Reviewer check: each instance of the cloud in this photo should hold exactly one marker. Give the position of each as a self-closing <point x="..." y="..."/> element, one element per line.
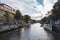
<point x="48" y="4"/>
<point x="31" y="7"/>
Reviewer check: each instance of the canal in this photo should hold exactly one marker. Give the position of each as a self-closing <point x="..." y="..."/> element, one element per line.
<point x="35" y="32"/>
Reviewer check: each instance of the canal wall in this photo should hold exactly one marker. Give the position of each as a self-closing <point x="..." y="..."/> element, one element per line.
<point x="7" y="27"/>
<point x="14" y="26"/>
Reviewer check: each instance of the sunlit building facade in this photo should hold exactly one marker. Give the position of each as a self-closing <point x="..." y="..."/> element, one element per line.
<point x="6" y="9"/>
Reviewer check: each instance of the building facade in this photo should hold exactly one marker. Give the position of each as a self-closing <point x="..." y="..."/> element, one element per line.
<point x="6" y="9"/>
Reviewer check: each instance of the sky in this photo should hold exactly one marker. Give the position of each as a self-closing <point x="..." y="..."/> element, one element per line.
<point x="34" y="8"/>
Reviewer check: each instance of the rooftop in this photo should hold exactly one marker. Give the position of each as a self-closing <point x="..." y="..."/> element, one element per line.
<point x="6" y="7"/>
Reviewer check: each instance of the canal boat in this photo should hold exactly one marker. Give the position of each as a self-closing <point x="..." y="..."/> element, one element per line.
<point x="27" y="24"/>
<point x="48" y="26"/>
<point x="56" y="26"/>
<point x="41" y="25"/>
<point x="21" y="25"/>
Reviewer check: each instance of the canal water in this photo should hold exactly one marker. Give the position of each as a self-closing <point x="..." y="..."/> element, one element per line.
<point x="35" y="32"/>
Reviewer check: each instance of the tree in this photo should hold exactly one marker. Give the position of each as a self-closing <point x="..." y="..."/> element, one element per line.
<point x="22" y="18"/>
<point x="44" y="19"/>
<point x="27" y="18"/>
<point x="17" y="15"/>
<point x="56" y="11"/>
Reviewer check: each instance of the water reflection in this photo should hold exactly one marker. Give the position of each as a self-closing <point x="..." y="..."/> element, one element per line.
<point x="35" y="32"/>
<point x="21" y="30"/>
<point x="12" y="35"/>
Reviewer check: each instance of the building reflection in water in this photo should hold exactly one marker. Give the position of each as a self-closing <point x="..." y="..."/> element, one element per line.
<point x="21" y="30"/>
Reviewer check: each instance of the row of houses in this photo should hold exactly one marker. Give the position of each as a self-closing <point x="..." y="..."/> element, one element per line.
<point x="4" y="8"/>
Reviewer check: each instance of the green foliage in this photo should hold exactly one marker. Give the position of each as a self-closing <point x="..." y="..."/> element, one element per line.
<point x="17" y="15"/>
<point x="27" y="18"/>
<point x="22" y="18"/>
<point x="56" y="11"/>
<point x="44" y="19"/>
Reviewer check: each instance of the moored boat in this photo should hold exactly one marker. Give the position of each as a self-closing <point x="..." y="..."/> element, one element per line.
<point x="48" y="26"/>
